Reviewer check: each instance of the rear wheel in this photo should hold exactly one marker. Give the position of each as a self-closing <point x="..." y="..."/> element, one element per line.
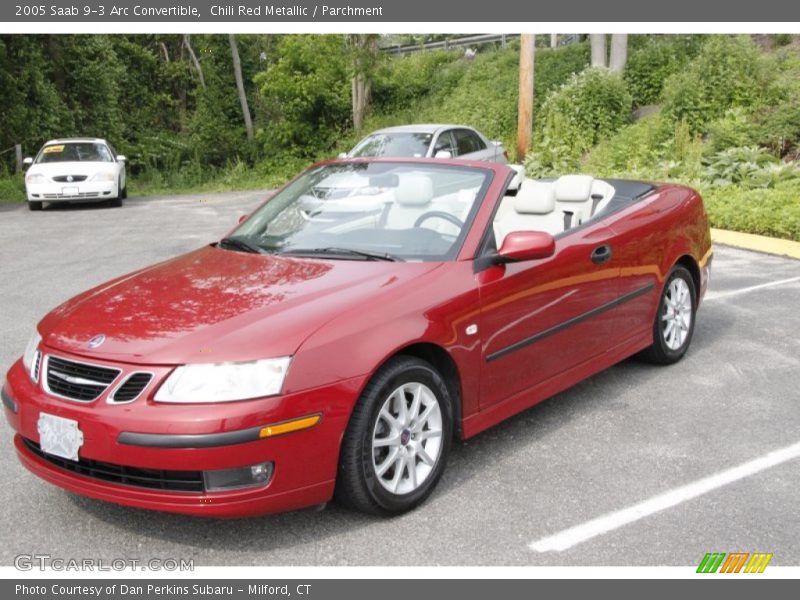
<point x="396" y="444"/>
<point x="674" y="322"/>
<point x="34" y="205"/>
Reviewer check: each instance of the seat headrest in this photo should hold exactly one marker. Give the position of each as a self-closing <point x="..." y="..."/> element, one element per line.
<point x="574" y="188"/>
<point x="535" y="198"/>
<point x="414" y="190"/>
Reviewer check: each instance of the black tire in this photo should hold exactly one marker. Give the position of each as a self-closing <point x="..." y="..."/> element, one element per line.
<point x="34" y="205"/>
<point x="357" y="484"/>
<point x="124" y="193"/>
<point x="660" y="352"/>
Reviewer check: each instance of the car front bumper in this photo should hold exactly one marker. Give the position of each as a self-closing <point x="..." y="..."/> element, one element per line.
<point x="172" y="438"/>
<point x="84" y="191"/>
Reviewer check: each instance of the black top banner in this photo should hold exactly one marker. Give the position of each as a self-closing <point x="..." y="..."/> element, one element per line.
<point x="388" y="11"/>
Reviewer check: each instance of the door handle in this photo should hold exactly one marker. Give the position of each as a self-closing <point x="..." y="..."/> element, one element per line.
<point x="601" y="254"/>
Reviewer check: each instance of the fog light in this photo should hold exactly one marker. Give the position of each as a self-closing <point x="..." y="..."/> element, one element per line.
<point x="242" y="477"/>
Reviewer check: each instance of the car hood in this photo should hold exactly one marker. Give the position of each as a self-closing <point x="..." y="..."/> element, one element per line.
<point x="215" y="305"/>
<point x="71" y="168"/>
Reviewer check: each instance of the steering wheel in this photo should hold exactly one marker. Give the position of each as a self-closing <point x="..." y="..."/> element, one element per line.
<point x="438" y="214"/>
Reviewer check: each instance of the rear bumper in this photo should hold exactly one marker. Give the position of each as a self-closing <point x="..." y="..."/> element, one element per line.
<point x="192" y="438"/>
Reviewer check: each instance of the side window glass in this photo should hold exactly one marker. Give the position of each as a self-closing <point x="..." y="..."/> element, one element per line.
<point x="444" y="142"/>
<point x="465" y="140"/>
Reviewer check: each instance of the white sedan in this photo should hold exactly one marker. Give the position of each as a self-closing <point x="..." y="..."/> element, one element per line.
<point x="75" y="170"/>
<point x="430" y="141"/>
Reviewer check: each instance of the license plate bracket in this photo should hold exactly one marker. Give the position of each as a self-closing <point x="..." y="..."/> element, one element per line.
<point x="59" y="436"/>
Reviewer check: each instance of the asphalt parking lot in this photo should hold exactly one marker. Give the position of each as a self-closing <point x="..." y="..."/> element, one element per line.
<point x="632" y="434"/>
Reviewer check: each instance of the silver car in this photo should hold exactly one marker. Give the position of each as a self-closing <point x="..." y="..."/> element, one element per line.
<point x="430" y="141"/>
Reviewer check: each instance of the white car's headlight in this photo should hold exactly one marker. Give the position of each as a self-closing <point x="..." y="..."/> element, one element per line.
<point x="35" y="178"/>
<point x="103" y="176"/>
<point x="29" y="358"/>
<point x="225" y="382"/>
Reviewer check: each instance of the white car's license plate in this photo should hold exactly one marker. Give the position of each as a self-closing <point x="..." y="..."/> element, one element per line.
<point x="69" y="191"/>
<point x="59" y="436"/>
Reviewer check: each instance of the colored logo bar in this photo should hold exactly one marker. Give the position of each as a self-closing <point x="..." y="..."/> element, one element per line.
<point x="734" y="562"/>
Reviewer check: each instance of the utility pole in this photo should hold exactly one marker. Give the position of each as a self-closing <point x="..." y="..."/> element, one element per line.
<point x="525" y="108"/>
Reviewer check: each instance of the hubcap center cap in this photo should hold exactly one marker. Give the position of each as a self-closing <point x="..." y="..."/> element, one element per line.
<point x="405" y="436"/>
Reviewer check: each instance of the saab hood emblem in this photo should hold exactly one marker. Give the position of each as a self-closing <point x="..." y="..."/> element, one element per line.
<point x="96" y="341"/>
<point x="69" y="178"/>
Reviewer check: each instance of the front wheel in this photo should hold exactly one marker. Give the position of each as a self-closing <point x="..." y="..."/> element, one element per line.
<point x="674" y="322"/>
<point x="34" y="205"/>
<point x="396" y="444"/>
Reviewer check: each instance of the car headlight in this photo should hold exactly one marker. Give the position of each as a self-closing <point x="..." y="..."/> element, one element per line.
<point x="225" y="382"/>
<point x="35" y="178"/>
<point x="103" y="176"/>
<point x="29" y="358"/>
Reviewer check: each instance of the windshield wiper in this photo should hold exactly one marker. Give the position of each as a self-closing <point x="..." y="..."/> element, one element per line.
<point x="242" y="245"/>
<point x="343" y="252"/>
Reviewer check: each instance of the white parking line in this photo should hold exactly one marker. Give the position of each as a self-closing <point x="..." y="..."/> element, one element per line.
<point x="752" y="288"/>
<point x="573" y="536"/>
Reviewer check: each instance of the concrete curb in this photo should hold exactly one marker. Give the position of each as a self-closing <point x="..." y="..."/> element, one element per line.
<point x="757" y="243"/>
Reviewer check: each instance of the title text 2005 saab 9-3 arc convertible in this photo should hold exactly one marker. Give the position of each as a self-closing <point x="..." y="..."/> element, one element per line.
<point x="340" y="337"/>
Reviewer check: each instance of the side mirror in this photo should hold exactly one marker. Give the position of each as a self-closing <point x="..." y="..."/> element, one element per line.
<point x="443" y="154"/>
<point x="121" y="158"/>
<point x="341" y="155"/>
<point x="243" y="218"/>
<point x="526" y="245"/>
<point x="27" y="161"/>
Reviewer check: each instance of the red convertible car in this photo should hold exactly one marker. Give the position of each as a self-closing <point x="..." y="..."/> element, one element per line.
<point x="338" y="339"/>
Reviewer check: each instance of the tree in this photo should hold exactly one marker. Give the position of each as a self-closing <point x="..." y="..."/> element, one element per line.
<point x="619" y="52"/>
<point x="197" y="67"/>
<point x="599" y="53"/>
<point x="237" y="73"/>
<point x="525" y="108"/>
<point x="364" y="49"/>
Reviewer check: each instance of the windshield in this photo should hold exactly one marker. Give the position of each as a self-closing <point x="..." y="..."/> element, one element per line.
<point x="363" y="211"/>
<point x="394" y="145"/>
<point x="75" y="152"/>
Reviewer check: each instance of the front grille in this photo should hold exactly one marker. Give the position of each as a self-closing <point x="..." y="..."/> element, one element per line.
<point x="77" y="381"/>
<point x="155" y="479"/>
<point x="75" y="178"/>
<point x="80" y="195"/>
<point x="133" y="386"/>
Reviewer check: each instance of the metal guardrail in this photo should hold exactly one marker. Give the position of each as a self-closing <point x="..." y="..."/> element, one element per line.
<point x="451" y="43"/>
<point x="471" y="40"/>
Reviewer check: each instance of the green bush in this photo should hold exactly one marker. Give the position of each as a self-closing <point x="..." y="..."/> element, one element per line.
<point x="554" y="66"/>
<point x="12" y="188"/>
<point x="591" y="106"/>
<point x="773" y="212"/>
<point x="749" y="167"/>
<point x="652" y="59"/>
<point x="407" y="79"/>
<point x="305" y="95"/>
<point x="781" y="39"/>
<point x="653" y="149"/>
<point x="729" y="72"/>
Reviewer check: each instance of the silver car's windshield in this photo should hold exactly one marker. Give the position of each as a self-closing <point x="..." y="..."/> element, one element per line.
<point x="392" y="145"/>
<point x="75" y="152"/>
<point x="368" y="211"/>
